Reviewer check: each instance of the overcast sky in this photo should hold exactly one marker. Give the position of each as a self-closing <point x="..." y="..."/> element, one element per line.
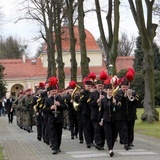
<point x="27" y="31"/>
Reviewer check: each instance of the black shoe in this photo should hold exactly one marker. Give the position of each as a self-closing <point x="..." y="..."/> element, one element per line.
<point x="100" y="148"/>
<point x="72" y="137"/>
<point x="92" y="145"/>
<point x="121" y="142"/>
<point x="126" y="147"/>
<point x="39" y="138"/>
<point x="55" y="152"/>
<point x="131" y="145"/>
<point x="81" y="141"/>
<point x="88" y="146"/>
<point x="111" y="153"/>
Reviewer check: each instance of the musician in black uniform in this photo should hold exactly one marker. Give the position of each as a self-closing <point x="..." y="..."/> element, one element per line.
<point x="54" y="106"/>
<point x="86" y="113"/>
<point x="38" y="111"/>
<point x="95" y="99"/>
<point x="108" y="117"/>
<point x="72" y="114"/>
<point x="127" y="113"/>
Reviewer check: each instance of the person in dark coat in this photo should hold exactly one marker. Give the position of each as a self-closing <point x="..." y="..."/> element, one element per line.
<point x="54" y="106"/>
<point x="9" y="103"/>
<point x="95" y="99"/>
<point x="127" y="113"/>
<point x="86" y="113"/>
<point x="72" y="114"/>
<point x="108" y="117"/>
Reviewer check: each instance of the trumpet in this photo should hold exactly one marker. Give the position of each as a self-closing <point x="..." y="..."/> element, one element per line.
<point x="130" y="94"/>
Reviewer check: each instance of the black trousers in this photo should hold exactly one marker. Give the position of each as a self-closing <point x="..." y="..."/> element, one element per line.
<point x="73" y="125"/>
<point x="40" y="126"/>
<point x="10" y="116"/>
<point x="88" y="129"/>
<point x="110" y="133"/>
<point x="127" y="131"/>
<point x="46" y="134"/>
<point x="55" y="135"/>
<point x="99" y="137"/>
<point x="80" y="126"/>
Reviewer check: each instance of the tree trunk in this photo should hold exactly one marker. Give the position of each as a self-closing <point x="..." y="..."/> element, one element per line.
<point x="58" y="40"/>
<point x="82" y="36"/>
<point x="150" y="113"/>
<point x="70" y="9"/>
<point x="147" y="33"/>
<point x="114" y="46"/>
<point x="101" y="29"/>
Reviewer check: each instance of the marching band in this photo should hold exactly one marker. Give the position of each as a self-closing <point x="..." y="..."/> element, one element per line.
<point x="98" y="111"/>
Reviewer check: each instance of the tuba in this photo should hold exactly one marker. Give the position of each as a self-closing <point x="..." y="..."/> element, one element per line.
<point x="75" y="104"/>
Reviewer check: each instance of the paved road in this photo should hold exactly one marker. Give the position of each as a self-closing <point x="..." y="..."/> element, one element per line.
<point x="19" y="145"/>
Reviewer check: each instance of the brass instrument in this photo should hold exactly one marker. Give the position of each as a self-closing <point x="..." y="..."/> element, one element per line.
<point x="130" y="95"/>
<point x="75" y="104"/>
<point x="115" y="91"/>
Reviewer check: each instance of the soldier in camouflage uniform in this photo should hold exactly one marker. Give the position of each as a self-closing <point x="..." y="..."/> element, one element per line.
<point x="28" y="111"/>
<point x="17" y="104"/>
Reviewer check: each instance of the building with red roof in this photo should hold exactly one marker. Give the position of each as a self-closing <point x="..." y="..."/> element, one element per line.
<point x="27" y="73"/>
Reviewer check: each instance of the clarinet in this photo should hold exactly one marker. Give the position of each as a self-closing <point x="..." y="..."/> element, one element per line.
<point x="55" y="110"/>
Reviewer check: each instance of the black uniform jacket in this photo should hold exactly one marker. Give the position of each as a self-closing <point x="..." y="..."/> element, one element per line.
<point x="84" y="103"/>
<point x="94" y="96"/>
<point x="108" y="111"/>
<point x="70" y="108"/>
<point x="51" y="113"/>
<point x="127" y="108"/>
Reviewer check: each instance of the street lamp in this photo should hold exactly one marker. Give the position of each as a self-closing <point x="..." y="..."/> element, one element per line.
<point x="110" y="69"/>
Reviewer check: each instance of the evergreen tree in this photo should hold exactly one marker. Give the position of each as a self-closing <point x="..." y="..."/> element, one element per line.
<point x="3" y="89"/>
<point x="139" y="55"/>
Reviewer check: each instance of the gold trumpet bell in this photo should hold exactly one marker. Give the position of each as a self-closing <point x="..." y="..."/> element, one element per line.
<point x="75" y="105"/>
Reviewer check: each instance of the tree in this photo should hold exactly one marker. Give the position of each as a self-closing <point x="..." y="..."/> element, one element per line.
<point x="139" y="55"/>
<point x="57" y="5"/>
<point x="82" y="36"/>
<point x="147" y="32"/>
<point x="39" y="50"/>
<point x="3" y="89"/>
<point x="68" y="14"/>
<point x="111" y="46"/>
<point x="11" y="48"/>
<point x="42" y="12"/>
<point x="125" y="46"/>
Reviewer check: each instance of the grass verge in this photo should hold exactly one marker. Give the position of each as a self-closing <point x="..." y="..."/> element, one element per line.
<point x="1" y="153"/>
<point x="146" y="128"/>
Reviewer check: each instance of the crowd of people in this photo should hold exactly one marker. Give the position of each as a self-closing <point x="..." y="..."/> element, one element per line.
<point x="98" y="112"/>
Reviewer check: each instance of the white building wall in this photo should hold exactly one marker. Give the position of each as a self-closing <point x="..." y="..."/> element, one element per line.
<point x="95" y="59"/>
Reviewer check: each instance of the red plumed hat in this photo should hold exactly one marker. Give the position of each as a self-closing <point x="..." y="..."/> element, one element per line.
<point x="107" y="81"/>
<point x="87" y="81"/>
<point x="41" y="85"/>
<point x="130" y="74"/>
<point x="103" y="75"/>
<point x="92" y="76"/>
<point x="53" y="83"/>
<point x="72" y="84"/>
